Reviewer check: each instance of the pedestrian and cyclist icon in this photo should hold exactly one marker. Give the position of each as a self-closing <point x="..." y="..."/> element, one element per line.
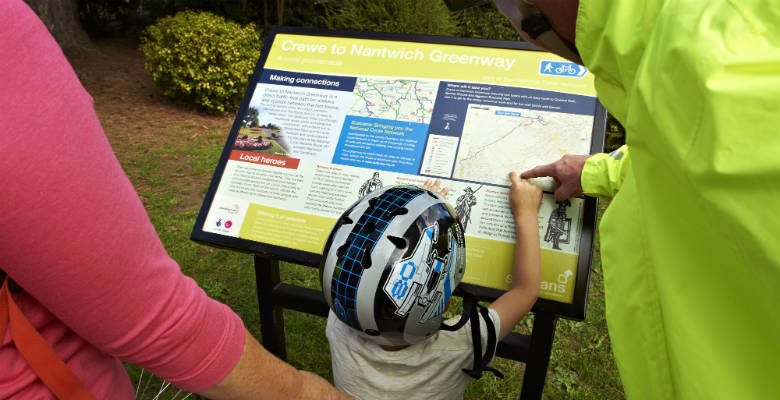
<point x="562" y="68"/>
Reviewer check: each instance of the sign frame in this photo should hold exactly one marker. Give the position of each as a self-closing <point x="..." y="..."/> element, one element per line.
<point x="575" y="310"/>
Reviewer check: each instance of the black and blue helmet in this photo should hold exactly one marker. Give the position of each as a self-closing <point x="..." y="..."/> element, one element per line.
<point x="391" y="263"/>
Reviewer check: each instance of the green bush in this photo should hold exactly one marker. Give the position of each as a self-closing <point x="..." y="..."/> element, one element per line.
<point x="615" y="135"/>
<point x="399" y="16"/>
<point x="201" y="57"/>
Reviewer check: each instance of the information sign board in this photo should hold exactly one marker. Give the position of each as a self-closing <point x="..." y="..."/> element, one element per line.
<point x="330" y="116"/>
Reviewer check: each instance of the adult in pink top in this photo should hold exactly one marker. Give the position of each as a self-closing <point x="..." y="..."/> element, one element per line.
<point x="98" y="284"/>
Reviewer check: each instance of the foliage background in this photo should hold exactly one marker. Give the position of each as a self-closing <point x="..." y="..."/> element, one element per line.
<point x="401" y="16"/>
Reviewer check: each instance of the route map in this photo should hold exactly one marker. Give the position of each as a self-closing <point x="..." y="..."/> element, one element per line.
<point x="394" y="99"/>
<point x="496" y="140"/>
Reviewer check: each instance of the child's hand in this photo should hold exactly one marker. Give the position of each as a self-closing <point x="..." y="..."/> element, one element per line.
<point x="433" y="186"/>
<point x="524" y="197"/>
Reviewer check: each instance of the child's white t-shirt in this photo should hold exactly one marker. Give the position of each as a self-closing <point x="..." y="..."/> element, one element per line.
<point x="431" y="369"/>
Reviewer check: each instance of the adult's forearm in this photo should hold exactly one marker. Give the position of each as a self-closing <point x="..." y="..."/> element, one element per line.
<point x="261" y="375"/>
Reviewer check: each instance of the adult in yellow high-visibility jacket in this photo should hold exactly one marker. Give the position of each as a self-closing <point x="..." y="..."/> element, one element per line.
<point x="691" y="241"/>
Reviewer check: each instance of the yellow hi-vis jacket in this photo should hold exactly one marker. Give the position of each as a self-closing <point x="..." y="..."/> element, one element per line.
<point x="691" y="240"/>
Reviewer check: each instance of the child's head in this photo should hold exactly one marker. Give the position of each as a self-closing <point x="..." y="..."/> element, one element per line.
<point x="391" y="263"/>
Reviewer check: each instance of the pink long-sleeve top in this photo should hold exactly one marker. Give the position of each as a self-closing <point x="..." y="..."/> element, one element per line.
<point x="98" y="284"/>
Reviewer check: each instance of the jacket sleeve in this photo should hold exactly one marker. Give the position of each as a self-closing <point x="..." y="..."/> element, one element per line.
<point x="603" y="174"/>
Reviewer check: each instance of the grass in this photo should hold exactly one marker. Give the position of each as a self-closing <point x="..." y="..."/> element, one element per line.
<point x="171" y="177"/>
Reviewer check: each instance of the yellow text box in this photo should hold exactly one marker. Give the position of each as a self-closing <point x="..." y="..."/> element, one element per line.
<point x="286" y="228"/>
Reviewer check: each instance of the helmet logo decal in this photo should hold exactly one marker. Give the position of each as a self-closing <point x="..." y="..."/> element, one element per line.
<point x="422" y="279"/>
<point x="401" y="286"/>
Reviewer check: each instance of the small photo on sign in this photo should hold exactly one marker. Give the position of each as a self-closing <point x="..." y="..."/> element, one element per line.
<point x="260" y="133"/>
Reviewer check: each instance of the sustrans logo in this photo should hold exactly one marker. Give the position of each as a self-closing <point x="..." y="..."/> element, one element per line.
<point x="560" y="286"/>
<point x="562" y="68"/>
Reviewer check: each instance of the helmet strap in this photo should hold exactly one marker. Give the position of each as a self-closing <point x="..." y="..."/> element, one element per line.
<point x="470" y="311"/>
<point x="480" y="362"/>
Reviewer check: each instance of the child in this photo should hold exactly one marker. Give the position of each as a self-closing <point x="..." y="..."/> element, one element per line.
<point x="388" y="270"/>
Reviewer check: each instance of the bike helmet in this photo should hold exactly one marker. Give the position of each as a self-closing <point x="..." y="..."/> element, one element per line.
<point x="391" y="263"/>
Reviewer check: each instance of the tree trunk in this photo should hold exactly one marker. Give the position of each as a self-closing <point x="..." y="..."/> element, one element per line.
<point x="61" y="17"/>
<point x="279" y="12"/>
<point x="266" y="23"/>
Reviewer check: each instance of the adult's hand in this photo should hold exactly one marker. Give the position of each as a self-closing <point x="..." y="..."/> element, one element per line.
<point x="566" y="172"/>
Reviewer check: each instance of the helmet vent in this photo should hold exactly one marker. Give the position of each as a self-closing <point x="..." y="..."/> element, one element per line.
<point x="372" y="201"/>
<point x="342" y="250"/>
<point x="399" y="242"/>
<point x="345" y="220"/>
<point x="365" y="262"/>
<point x="372" y="332"/>
<point x="398" y="211"/>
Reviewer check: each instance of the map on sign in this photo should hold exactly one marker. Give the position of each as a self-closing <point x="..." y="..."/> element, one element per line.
<point x="500" y="139"/>
<point x="394" y="99"/>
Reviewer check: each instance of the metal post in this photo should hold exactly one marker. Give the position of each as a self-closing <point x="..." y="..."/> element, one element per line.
<point x="271" y="318"/>
<point x="539" y="355"/>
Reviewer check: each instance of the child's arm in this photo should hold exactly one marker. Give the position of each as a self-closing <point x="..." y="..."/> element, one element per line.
<point x="524" y="199"/>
